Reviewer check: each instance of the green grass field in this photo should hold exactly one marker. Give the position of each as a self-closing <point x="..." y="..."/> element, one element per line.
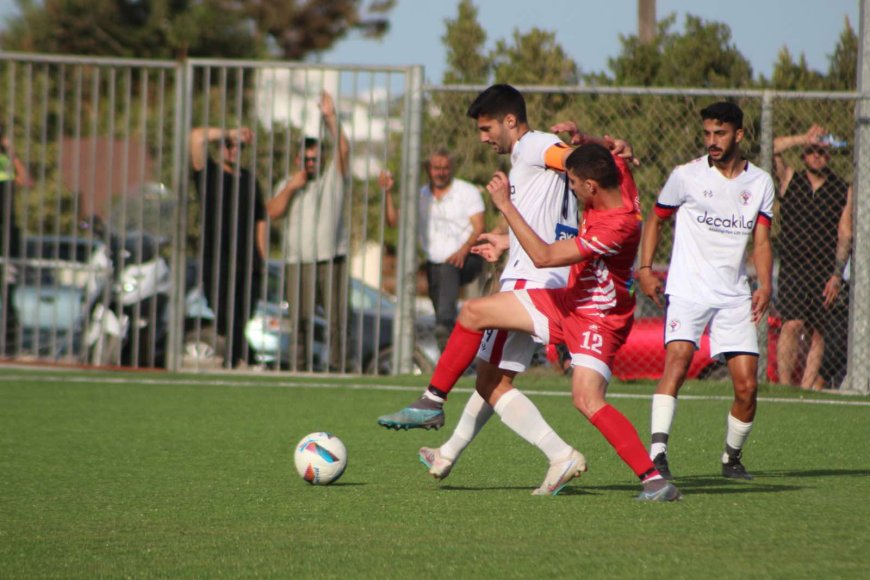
<point x="192" y="476"/>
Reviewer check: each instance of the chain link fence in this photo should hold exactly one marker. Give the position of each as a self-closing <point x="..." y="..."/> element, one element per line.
<point x="118" y="250"/>
<point x="804" y="340"/>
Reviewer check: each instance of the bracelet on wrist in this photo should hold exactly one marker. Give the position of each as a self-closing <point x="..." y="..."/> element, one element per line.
<point x="642" y="267"/>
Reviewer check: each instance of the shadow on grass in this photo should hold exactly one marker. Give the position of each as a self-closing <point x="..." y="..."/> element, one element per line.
<point x="568" y="490"/>
<point x="814" y="473"/>
<point x="691" y="484"/>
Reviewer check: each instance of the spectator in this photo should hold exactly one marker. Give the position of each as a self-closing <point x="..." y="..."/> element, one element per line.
<point x="316" y="238"/>
<point x="451" y="220"/>
<point x="234" y="232"/>
<point x="12" y="173"/>
<point x="815" y="204"/>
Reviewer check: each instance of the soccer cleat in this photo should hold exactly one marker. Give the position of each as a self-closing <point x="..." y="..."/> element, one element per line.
<point x="412" y="418"/>
<point x="734" y="469"/>
<point x="659" y="490"/>
<point x="561" y="472"/>
<point x="439" y="468"/>
<point x="660" y="462"/>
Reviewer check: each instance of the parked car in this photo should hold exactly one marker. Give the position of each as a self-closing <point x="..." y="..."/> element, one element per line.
<point x="270" y="334"/>
<point x="372" y="312"/>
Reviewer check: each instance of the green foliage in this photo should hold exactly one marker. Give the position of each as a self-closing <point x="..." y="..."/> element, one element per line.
<point x="464" y="40"/>
<point x="701" y="56"/>
<point x="843" y="69"/>
<point x="183" y="28"/>
<point x="791" y="76"/>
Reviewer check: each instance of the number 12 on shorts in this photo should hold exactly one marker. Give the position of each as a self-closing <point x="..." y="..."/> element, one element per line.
<point x="592" y="341"/>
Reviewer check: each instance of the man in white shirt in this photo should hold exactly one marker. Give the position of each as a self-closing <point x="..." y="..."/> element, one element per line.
<point x="722" y="201"/>
<point x="450" y="221"/>
<point x="316" y="238"/>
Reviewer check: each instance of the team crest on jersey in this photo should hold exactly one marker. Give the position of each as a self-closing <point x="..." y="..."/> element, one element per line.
<point x="673" y="325"/>
<point x="708" y="193"/>
<point x="745" y="196"/>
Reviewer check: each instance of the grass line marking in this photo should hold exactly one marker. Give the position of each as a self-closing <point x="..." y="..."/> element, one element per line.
<point x="378" y="387"/>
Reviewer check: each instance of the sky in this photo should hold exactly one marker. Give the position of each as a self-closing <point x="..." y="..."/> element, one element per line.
<point x="759" y="28"/>
<point x="589" y="30"/>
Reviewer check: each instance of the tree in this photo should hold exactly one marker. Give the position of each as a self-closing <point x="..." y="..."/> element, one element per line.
<point x="180" y="28"/>
<point x="702" y="56"/>
<point x="303" y="26"/>
<point x="843" y="69"/>
<point x="792" y="76"/>
<point x="465" y="39"/>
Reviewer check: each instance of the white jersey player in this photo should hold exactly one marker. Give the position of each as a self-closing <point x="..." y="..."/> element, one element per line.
<point x="721" y="202"/>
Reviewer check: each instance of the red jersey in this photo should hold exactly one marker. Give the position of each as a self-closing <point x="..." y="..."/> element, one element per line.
<point x="601" y="284"/>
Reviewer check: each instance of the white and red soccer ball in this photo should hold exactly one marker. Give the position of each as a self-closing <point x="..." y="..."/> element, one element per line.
<point x="320" y="458"/>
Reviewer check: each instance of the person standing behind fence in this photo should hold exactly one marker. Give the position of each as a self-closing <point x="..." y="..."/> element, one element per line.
<point x="234" y="231"/>
<point x="12" y="173"/>
<point x="816" y="214"/>
<point x="721" y="202"/>
<point x="451" y="220"/>
<point x="316" y="237"/>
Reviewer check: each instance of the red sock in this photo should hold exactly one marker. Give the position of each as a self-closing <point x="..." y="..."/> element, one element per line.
<point x="460" y="351"/>
<point x="622" y="435"/>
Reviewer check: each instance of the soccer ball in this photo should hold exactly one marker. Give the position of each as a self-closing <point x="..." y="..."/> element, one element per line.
<point x="320" y="458"/>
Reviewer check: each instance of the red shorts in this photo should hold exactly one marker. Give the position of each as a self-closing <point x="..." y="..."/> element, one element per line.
<point x="591" y="343"/>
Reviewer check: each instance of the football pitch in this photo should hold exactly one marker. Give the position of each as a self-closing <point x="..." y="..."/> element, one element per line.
<point x="144" y="475"/>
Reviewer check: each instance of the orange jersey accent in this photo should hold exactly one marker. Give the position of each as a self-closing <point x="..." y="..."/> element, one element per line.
<point x="555" y="155"/>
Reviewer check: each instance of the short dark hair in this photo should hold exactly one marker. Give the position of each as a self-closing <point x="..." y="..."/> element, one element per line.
<point x="498" y="101"/>
<point x="594" y="161"/>
<point x="310" y="142"/>
<point x="724" y="112"/>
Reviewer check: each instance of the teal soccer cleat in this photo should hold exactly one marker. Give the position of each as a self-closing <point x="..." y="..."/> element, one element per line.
<point x="659" y="490"/>
<point x="412" y="418"/>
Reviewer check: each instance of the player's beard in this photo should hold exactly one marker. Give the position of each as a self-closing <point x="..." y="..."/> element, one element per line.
<point x="726" y="154"/>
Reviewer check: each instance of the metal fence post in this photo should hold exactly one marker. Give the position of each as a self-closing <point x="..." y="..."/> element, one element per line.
<point x="766" y="161"/>
<point x="178" y="266"/>
<point x="406" y="279"/>
<point x="859" y="288"/>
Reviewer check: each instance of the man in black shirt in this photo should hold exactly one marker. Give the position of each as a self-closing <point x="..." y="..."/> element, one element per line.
<point x="816" y="217"/>
<point x="234" y="232"/>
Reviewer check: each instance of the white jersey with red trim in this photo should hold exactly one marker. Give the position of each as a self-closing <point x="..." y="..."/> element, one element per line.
<point x="715" y="219"/>
<point x="544" y="200"/>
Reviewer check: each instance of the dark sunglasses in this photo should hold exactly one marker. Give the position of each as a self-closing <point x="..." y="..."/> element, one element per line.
<point x="230" y="144"/>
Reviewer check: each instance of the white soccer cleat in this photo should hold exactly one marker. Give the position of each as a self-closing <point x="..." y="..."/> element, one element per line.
<point x="561" y="472"/>
<point x="439" y="467"/>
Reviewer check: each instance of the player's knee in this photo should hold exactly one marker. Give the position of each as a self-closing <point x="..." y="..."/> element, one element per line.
<point x="588" y="403"/>
<point x="470" y="315"/>
<point x="745" y="389"/>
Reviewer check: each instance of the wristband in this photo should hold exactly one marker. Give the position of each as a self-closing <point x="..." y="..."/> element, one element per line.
<point x="642" y="267"/>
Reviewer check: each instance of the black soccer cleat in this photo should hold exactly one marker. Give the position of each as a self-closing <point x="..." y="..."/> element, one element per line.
<point x="734" y="469"/>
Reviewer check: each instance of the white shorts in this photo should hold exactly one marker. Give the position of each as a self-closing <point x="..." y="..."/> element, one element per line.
<point x="509" y="350"/>
<point x="731" y="329"/>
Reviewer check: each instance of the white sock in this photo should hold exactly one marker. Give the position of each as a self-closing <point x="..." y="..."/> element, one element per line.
<point x="664" y="407"/>
<point x="736" y="436"/>
<point x="524" y="419"/>
<point x="474" y="416"/>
